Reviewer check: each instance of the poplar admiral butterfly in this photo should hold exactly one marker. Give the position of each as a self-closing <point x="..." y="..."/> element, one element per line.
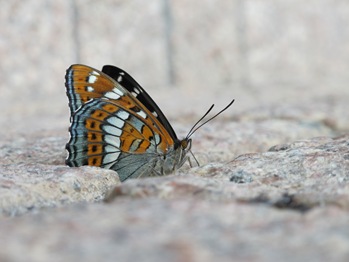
<point x="115" y="124"/>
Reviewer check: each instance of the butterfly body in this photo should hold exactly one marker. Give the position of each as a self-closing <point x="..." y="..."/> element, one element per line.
<point x="115" y="124"/>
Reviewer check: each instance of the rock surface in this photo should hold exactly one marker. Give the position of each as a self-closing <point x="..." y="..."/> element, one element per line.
<point x="263" y="192"/>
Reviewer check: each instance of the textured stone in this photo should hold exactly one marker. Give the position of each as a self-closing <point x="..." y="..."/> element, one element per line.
<point x="33" y="176"/>
<point x="27" y="187"/>
<point x="299" y="175"/>
<point x="38" y="177"/>
<point x="235" y="205"/>
<point x="185" y="229"/>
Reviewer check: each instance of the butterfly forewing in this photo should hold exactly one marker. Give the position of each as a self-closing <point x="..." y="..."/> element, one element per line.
<point x="84" y="83"/>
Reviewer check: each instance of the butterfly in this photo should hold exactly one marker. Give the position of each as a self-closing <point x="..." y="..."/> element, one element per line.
<point x="115" y="124"/>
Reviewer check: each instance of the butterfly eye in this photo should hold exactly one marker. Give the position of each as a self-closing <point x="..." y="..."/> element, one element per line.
<point x="186" y="143"/>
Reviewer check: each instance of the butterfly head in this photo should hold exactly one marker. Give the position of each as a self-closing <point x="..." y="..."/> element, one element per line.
<point x="185" y="144"/>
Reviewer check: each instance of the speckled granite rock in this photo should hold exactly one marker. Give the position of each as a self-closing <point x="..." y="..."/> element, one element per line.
<point x="267" y="197"/>
<point x="298" y="175"/>
<point x="32" y="178"/>
<point x="182" y="229"/>
<point x="33" y="175"/>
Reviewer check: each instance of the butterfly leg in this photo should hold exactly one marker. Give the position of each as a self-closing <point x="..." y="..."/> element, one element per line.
<point x="190" y="164"/>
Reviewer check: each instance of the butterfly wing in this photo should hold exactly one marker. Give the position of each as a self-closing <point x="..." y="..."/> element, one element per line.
<point x="110" y="127"/>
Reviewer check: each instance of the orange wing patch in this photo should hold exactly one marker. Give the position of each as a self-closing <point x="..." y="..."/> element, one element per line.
<point x="94" y="149"/>
<point x="92" y="125"/>
<point x="95" y="137"/>
<point x="131" y="137"/>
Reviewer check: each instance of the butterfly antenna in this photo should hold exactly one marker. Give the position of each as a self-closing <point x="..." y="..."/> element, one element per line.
<point x="208" y="111"/>
<point x="195" y="127"/>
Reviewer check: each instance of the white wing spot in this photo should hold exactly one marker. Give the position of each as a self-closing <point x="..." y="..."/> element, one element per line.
<point x="142" y="114"/>
<point x="90" y="89"/>
<point x="111" y="156"/>
<point x="117" y="91"/>
<point x="116" y="121"/>
<point x="95" y="73"/>
<point x="157" y="139"/>
<point x="112" y="130"/>
<point x="119" y="78"/>
<point x="123" y="115"/>
<point x="112" y="95"/>
<point x="136" y="91"/>
<point x="92" y="79"/>
<point x="113" y="141"/>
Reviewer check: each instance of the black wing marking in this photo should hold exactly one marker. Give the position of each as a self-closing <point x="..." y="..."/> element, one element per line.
<point x="135" y="89"/>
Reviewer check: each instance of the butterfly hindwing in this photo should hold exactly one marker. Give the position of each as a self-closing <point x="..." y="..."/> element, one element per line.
<point x="105" y="135"/>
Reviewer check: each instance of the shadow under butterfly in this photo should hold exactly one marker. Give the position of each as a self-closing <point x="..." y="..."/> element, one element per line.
<point x="115" y="124"/>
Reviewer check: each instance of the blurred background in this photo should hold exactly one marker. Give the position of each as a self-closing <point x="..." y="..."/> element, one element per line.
<point x="186" y="54"/>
